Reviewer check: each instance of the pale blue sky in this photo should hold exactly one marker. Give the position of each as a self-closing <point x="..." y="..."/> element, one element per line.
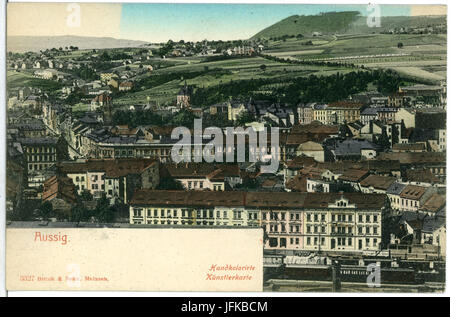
<point x="194" y="22"/>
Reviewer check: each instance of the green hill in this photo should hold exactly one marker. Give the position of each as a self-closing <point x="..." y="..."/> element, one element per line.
<point x="348" y="22"/>
<point x="329" y="22"/>
<point x="396" y="22"/>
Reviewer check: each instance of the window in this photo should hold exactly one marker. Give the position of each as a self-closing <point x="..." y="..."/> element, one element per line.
<point x="137" y="212"/>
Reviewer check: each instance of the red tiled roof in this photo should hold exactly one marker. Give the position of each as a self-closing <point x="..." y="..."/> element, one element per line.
<point x="345" y="104"/>
<point x="126" y="84"/>
<point x="434" y="203"/>
<point x="378" y="182"/>
<point x="111" y="167"/>
<point x="102" y="98"/>
<point x="413" y="192"/>
<point x="353" y="175"/>
<point x="147" y="197"/>
<point x="59" y="187"/>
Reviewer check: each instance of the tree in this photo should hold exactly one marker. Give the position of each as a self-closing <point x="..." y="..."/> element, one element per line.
<point x="248" y="183"/>
<point x="25" y="211"/>
<point x="244" y="118"/>
<point x="263" y="67"/>
<point x="45" y="211"/>
<point x="103" y="211"/>
<point x="79" y="213"/>
<point x="184" y="118"/>
<point x="168" y="183"/>
<point x="86" y="195"/>
<point x="400" y="45"/>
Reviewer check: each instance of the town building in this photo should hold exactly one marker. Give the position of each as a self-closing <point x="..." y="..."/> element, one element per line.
<point x="305" y="113"/>
<point x="117" y="178"/>
<point x="204" y="176"/>
<point x="60" y="192"/>
<point x="41" y="154"/>
<point x="331" y="222"/>
<point x="184" y="96"/>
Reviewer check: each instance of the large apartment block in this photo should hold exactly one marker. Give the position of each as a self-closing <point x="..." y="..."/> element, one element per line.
<point x="349" y="222"/>
<point x="117" y="178"/>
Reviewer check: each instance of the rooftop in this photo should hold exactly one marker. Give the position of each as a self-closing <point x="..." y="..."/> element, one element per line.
<point x="413" y="192"/>
<point x="147" y="197"/>
<point x="435" y="203"/>
<point x="111" y="167"/>
<point x="378" y="182"/>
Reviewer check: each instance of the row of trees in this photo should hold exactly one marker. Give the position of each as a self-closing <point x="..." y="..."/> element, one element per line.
<point x="103" y="212"/>
<point x="301" y="89"/>
<point x="310" y="62"/>
<point x="136" y="118"/>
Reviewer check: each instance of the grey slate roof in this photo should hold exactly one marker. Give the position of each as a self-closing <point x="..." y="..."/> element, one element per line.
<point x="395" y="189"/>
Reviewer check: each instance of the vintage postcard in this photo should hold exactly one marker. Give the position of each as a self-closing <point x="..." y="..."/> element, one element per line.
<point x="226" y="147"/>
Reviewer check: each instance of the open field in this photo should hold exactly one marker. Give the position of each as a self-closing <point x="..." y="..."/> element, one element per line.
<point x="22" y="79"/>
<point x="421" y="57"/>
<point x="416" y="53"/>
<point x="367" y="44"/>
<point x="220" y="72"/>
<point x="418" y="73"/>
